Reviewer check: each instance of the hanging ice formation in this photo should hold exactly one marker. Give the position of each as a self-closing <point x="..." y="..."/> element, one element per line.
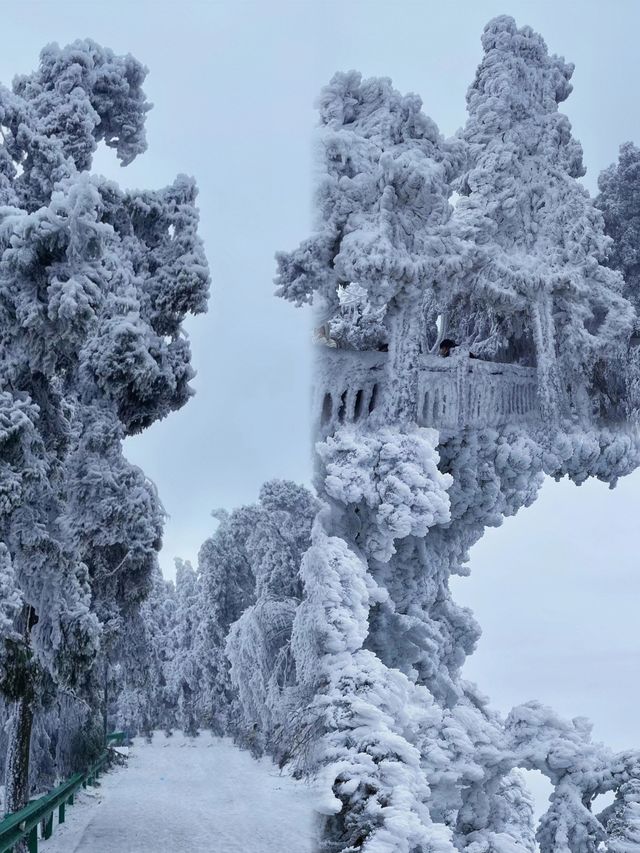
<point x="418" y="453"/>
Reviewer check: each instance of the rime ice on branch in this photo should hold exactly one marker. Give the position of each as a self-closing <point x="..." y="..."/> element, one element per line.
<point x="422" y="445"/>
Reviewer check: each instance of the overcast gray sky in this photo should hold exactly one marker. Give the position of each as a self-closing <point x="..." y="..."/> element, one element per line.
<point x="556" y="589"/>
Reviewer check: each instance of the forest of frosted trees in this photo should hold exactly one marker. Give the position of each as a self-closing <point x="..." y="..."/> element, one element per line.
<point x="476" y="329"/>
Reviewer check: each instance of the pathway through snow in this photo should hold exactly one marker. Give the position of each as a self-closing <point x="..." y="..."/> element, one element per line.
<point x="196" y="796"/>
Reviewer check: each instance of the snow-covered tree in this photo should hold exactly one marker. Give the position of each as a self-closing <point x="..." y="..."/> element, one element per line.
<point x="183" y="673"/>
<point x="95" y="284"/>
<point x="538" y="290"/>
<point x="113" y="514"/>
<point x="619" y="201"/>
<point x="249" y="591"/>
<point x="258" y="644"/>
<point x="410" y="756"/>
<point x="227" y="586"/>
<point x="382" y="216"/>
<point x="622" y="820"/>
<point x="114" y="518"/>
<point x="141" y="697"/>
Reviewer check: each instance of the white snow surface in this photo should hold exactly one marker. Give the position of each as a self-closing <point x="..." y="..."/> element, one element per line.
<point x="201" y="795"/>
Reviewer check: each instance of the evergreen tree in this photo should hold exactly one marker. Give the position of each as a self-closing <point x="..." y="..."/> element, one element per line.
<point x="184" y="675"/>
<point x="95" y="284"/>
<point x="114" y="518"/>
<point x="382" y="223"/>
<point x="143" y="698"/>
<point x="538" y="288"/>
<point x="258" y="644"/>
<point x="410" y="756"/>
<point x="619" y="201"/>
<point x="227" y="589"/>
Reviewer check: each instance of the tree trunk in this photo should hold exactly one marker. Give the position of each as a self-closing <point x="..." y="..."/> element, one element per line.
<point x="17" y="767"/>
<point x="21" y="690"/>
<point x="405" y="347"/>
<point x="105" y="716"/>
<point x="549" y="392"/>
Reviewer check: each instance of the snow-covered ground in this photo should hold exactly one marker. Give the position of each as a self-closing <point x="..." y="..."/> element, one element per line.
<point x="196" y="796"/>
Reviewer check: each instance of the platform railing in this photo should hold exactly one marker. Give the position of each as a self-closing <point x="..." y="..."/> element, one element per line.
<point x="466" y="392"/>
<point x="23" y="825"/>
<point x="452" y="393"/>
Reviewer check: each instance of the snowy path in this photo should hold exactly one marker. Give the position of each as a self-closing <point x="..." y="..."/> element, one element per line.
<point x="201" y="796"/>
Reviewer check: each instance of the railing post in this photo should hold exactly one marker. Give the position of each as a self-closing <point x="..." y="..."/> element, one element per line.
<point x="47" y="826"/>
<point x="32" y="840"/>
<point x="462" y="391"/>
<point x="61" y="813"/>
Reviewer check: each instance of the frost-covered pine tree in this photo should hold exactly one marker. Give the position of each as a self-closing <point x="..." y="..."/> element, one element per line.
<point x="113" y="514"/>
<point x="389" y="168"/>
<point x="183" y="673"/>
<point x="250" y="589"/>
<point x="382" y="214"/>
<point x="258" y="644"/>
<point x="19" y="465"/>
<point x="538" y="291"/>
<point x="114" y="518"/>
<point x="227" y="587"/>
<point x="619" y="201"/>
<point x="96" y="283"/>
<point x="417" y="454"/>
<point x="142" y="698"/>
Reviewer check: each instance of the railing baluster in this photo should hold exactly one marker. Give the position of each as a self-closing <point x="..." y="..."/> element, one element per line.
<point x="47" y="826"/>
<point x="32" y="840"/>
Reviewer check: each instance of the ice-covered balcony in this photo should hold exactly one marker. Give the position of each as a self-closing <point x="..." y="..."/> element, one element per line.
<point x="453" y="393"/>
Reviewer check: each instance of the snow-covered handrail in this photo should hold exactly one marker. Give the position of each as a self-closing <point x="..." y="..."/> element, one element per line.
<point x="452" y="393"/>
<point x="346" y="386"/>
<point x="461" y="391"/>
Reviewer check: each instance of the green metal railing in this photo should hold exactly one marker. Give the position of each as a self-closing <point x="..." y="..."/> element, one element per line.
<point x="24" y="824"/>
<point x="116" y="738"/>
